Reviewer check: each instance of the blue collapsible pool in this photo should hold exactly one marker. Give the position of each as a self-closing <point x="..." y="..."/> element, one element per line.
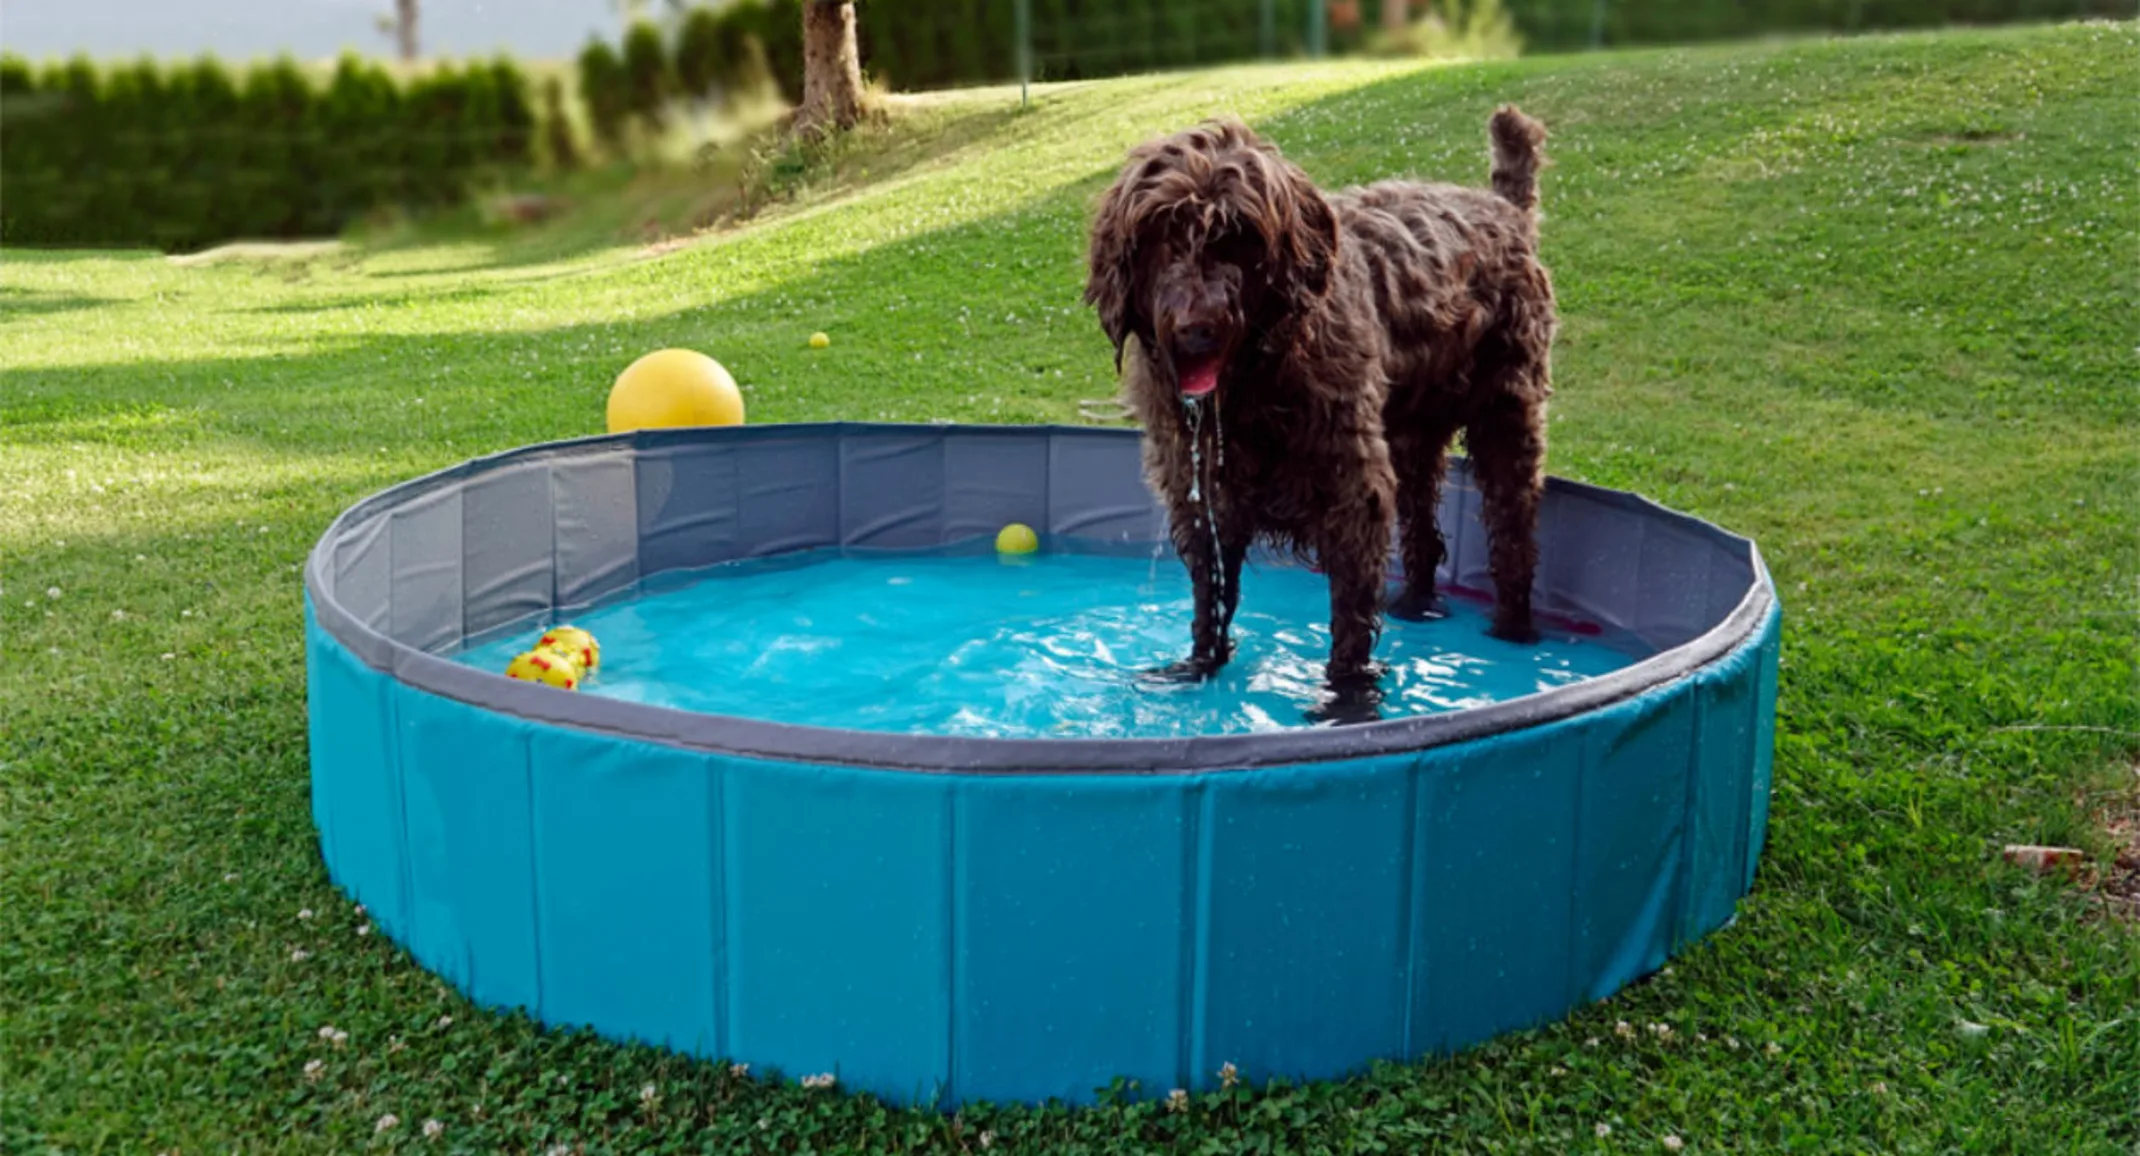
<point x="943" y="917"/>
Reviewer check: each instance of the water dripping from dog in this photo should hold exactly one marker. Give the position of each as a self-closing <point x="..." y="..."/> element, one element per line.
<point x="1201" y="492"/>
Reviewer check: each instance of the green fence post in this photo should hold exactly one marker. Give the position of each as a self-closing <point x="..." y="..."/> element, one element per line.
<point x="1597" y="24"/>
<point x="1022" y="15"/>
<point x="1318" y="26"/>
<point x="1267" y="28"/>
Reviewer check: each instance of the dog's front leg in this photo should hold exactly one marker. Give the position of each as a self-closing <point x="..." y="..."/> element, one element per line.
<point x="1217" y="592"/>
<point x="1355" y="574"/>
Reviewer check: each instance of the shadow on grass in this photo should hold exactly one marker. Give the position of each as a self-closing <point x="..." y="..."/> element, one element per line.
<point x="621" y="206"/>
<point x="16" y="301"/>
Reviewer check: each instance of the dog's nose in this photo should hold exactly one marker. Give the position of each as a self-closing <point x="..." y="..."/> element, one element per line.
<point x="1197" y="338"/>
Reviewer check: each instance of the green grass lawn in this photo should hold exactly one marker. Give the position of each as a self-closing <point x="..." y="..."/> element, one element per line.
<point x="1872" y="303"/>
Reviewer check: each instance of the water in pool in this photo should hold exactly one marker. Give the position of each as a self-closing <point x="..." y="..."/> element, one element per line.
<point x="959" y="642"/>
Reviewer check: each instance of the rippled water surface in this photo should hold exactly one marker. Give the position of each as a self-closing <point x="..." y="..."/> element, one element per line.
<point x="963" y="643"/>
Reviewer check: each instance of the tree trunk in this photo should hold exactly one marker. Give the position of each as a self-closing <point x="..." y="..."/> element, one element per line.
<point x="1394" y="15"/>
<point x="405" y="27"/>
<point x="832" y="67"/>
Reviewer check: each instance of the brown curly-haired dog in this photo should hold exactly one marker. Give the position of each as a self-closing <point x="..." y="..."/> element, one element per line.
<point x="1300" y="363"/>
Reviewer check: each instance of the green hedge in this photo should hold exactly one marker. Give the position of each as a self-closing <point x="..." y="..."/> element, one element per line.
<point x="185" y="155"/>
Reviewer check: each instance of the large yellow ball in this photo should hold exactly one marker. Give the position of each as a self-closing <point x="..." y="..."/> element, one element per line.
<point x="674" y="387"/>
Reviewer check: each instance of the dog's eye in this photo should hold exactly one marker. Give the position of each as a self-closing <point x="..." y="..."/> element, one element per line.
<point x="1235" y="249"/>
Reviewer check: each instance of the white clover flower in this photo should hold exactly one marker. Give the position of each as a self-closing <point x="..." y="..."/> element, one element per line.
<point x="445" y="1022"/>
<point x="1673" y="1143"/>
<point x="364" y="929"/>
<point x="1229" y="1076"/>
<point x="1773" y="1049"/>
<point x="1178" y="1100"/>
<point x="433" y="1129"/>
<point x="739" y="1071"/>
<point x="387" y="1122"/>
<point x="299" y="955"/>
<point x="314" y="1069"/>
<point x="52" y="592"/>
<point x="304" y="913"/>
<point x="1603" y="1129"/>
<point x="649" y="1094"/>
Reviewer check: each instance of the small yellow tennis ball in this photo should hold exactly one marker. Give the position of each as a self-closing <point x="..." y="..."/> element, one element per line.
<point x="819" y="341"/>
<point x="673" y="387"/>
<point x="547" y="667"/>
<point x="1017" y="538"/>
<point x="575" y="644"/>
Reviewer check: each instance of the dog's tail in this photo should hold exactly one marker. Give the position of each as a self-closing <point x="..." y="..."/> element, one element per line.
<point x="1519" y="152"/>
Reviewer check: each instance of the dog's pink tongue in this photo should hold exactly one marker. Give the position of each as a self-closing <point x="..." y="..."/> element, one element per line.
<point x="1198" y="380"/>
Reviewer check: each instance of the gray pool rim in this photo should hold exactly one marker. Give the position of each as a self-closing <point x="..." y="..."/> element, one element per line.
<point x="767" y="739"/>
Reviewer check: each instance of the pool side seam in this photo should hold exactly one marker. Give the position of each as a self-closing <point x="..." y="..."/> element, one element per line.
<point x="717" y="867"/>
<point x="1191" y="1010"/>
<point x="953" y="938"/>
<point x="527" y="773"/>
<point x="1690" y="822"/>
<point x="1412" y="893"/>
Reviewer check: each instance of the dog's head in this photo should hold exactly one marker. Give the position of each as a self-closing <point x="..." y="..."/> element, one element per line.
<point x="1207" y="237"/>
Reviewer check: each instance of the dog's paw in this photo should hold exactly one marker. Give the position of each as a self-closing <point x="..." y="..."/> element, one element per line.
<point x="1347" y="708"/>
<point x="1353" y="699"/>
<point x="1414" y="606"/>
<point x="1519" y="632"/>
<point x="1188" y="670"/>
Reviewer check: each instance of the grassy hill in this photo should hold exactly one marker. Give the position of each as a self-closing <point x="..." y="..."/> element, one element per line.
<point x="1871" y="302"/>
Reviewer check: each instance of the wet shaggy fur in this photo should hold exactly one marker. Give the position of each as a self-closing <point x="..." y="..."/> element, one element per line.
<point x="1336" y="344"/>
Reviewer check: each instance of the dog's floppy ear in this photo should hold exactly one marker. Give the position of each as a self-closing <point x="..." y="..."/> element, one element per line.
<point x="1307" y="238"/>
<point x="1111" y="280"/>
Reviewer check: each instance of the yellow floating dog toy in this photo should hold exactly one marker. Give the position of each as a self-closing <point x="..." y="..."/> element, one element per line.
<point x="547" y="667"/>
<point x="573" y="643"/>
